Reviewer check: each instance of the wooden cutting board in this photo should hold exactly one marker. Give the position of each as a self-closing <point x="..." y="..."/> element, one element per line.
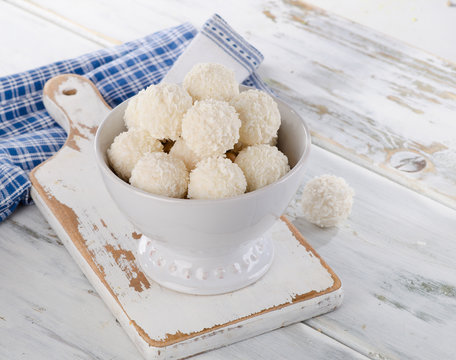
<point x="162" y="323"/>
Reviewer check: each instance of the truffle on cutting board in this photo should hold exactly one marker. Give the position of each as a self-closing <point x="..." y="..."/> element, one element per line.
<point x="211" y="81"/>
<point x="161" y="174"/>
<point x="262" y="165"/>
<point x="259" y="115"/>
<point x="128" y="147"/>
<point x="216" y="178"/>
<point x="210" y="127"/>
<point x="159" y="109"/>
<point x="327" y="200"/>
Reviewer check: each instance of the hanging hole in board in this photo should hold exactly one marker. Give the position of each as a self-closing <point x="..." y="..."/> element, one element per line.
<point x="69" y="92"/>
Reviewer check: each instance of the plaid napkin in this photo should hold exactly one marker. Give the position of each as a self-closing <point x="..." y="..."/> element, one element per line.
<point x="28" y="135"/>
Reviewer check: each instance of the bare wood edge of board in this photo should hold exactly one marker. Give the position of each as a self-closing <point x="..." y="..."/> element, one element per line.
<point x="68" y="219"/>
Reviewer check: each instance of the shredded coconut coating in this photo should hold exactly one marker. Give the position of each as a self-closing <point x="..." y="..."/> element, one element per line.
<point x="159" y="109"/>
<point x="127" y="148"/>
<point x="216" y="178"/>
<point x="327" y="200"/>
<point x="260" y="117"/>
<point x="161" y="174"/>
<point x="131" y="118"/>
<point x="211" y="81"/>
<point x="183" y="152"/>
<point x="262" y="165"/>
<point x="210" y="128"/>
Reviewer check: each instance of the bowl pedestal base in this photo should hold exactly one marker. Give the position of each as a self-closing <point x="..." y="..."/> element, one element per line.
<point x="194" y="273"/>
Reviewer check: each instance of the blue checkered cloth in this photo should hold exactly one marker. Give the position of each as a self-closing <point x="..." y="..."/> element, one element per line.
<point x="28" y="135"/>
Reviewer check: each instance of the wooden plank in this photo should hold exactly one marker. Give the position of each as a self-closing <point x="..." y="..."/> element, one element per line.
<point x="23" y="41"/>
<point x="405" y="280"/>
<point x="296" y="341"/>
<point x="48" y="310"/>
<point x="410" y="21"/>
<point x="377" y="102"/>
<point x="395" y="256"/>
<point x="402" y="304"/>
<point x="65" y="23"/>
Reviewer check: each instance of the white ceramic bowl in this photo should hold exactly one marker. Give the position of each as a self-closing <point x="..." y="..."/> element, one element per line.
<point x="206" y="246"/>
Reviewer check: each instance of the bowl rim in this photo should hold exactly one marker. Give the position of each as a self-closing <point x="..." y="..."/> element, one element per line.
<point x="106" y="170"/>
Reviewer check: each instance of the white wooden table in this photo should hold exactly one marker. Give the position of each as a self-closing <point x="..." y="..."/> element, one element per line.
<point x="395" y="255"/>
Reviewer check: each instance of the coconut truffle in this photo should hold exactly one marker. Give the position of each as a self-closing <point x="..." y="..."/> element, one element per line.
<point x="211" y="81"/>
<point x="260" y="117"/>
<point x="210" y="128"/>
<point x="183" y="152"/>
<point x="161" y="174"/>
<point x="216" y="178"/>
<point x="327" y="200"/>
<point x="262" y="165"/>
<point x="131" y="117"/>
<point x="127" y="148"/>
<point x="159" y="110"/>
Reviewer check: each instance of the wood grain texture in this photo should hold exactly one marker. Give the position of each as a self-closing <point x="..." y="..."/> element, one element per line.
<point x="378" y="102"/>
<point x="104" y="244"/>
<point x="292" y="342"/>
<point x="425" y="24"/>
<point x="48" y="299"/>
<point x="369" y="320"/>
<point x="48" y="310"/>
<point x="395" y="255"/>
<point x="30" y="54"/>
<point x="424" y="228"/>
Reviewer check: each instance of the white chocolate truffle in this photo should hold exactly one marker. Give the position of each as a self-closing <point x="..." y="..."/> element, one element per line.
<point x="127" y="148"/>
<point x="159" y="109"/>
<point x="262" y="165"/>
<point x="131" y="117"/>
<point x="183" y="152"/>
<point x="211" y="81"/>
<point x="210" y="127"/>
<point x="161" y="174"/>
<point x="216" y="178"/>
<point x="260" y="117"/>
<point x="327" y="200"/>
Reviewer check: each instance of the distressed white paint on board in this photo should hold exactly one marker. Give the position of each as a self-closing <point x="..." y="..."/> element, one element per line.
<point x="71" y="179"/>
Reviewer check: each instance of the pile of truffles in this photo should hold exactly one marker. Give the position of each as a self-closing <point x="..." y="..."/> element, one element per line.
<point x="202" y="140"/>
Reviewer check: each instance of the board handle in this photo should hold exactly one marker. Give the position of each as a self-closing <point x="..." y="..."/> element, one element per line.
<point x="75" y="104"/>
